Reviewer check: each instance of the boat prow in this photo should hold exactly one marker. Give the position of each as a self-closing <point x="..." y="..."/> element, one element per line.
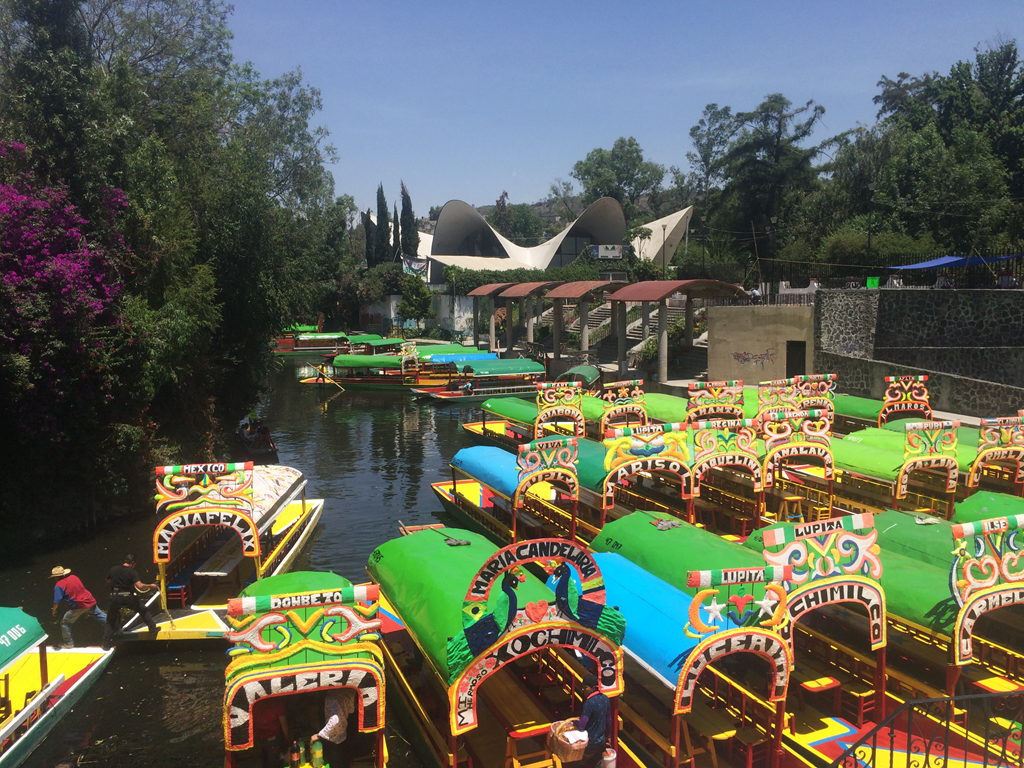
<point x="41" y="684"/>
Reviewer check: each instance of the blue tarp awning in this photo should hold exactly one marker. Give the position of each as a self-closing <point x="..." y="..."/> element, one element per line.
<point x="437" y="359"/>
<point x="958" y="261"/>
<point x="495" y="468"/>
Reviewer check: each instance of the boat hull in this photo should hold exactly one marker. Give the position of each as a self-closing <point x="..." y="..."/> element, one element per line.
<point x="20" y="750"/>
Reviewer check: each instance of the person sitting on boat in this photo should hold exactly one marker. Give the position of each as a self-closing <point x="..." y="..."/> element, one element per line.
<point x="593" y="720"/>
<point x="79" y="600"/>
<point x="338" y="705"/>
<point x="124" y="580"/>
<point x="270" y="730"/>
<point x="467" y="388"/>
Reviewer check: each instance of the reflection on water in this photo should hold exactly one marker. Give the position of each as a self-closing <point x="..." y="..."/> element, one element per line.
<point x="370" y="455"/>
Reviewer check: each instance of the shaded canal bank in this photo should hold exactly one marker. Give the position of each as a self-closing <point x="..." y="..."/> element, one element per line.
<point x="371" y="456"/>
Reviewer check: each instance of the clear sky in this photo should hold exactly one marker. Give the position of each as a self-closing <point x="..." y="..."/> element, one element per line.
<point x="462" y="100"/>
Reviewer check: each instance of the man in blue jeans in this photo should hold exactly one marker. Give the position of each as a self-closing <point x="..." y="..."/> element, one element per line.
<point x="70" y="591"/>
<point x="594" y="720"/>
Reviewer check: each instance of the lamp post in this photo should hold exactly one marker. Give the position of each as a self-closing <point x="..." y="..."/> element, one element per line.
<point x="770" y="231"/>
<point x="664" y="249"/>
<point x="871" y="208"/>
<point x="703" y="244"/>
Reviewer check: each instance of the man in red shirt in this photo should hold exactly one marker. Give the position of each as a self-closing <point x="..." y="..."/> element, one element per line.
<point x="270" y="730"/>
<point x="79" y="600"/>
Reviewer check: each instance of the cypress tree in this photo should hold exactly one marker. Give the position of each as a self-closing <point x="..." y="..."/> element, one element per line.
<point x="396" y="238"/>
<point x="382" y="242"/>
<point x="410" y="235"/>
<point x="370" y="231"/>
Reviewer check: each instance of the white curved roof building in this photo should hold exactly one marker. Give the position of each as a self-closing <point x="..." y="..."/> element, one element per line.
<point x="463" y="238"/>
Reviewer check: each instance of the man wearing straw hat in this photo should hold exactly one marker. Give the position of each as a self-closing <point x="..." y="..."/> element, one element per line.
<point x="79" y="600"/>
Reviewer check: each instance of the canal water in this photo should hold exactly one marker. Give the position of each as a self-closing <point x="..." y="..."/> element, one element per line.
<point x="370" y="455"/>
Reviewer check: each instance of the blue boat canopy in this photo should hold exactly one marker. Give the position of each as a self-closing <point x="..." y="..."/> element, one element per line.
<point x="494" y="467"/>
<point x="437" y="359"/>
<point x="656" y="616"/>
<point x="958" y="261"/>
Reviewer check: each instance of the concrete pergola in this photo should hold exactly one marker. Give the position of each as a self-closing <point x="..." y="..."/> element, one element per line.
<point x="659" y="291"/>
<point x="523" y="292"/>
<point x="490" y="290"/>
<point x="584" y="291"/>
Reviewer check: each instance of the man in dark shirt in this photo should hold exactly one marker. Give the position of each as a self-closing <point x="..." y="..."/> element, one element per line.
<point x="594" y="719"/>
<point x="123" y="581"/>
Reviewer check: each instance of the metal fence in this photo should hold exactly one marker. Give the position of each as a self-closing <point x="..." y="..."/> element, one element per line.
<point x="881" y="268"/>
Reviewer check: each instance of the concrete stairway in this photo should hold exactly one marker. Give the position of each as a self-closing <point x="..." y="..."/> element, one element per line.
<point x="634" y="331"/>
<point x="596" y="316"/>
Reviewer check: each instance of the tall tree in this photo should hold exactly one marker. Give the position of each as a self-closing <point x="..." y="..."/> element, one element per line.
<point x="396" y="236"/>
<point x="710" y="136"/>
<point x="621" y="173"/>
<point x="370" y="233"/>
<point x="767" y="166"/>
<point x="499" y="218"/>
<point x="382" y="240"/>
<point x="410" y="233"/>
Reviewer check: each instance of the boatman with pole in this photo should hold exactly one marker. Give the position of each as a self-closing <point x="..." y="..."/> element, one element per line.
<point x="125" y="585"/>
<point x="70" y="590"/>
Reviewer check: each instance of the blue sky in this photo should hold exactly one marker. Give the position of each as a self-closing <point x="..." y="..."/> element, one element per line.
<point x="462" y="100"/>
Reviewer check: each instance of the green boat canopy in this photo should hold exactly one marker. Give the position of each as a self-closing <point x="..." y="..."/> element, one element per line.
<point x="983" y="505"/>
<point x="588" y="373"/>
<point x="892" y="437"/>
<point x="869" y="460"/>
<point x="425" y="352"/>
<point x="671" y="553"/>
<point x="426" y="581"/>
<point x="368" y="361"/>
<point x="379" y="342"/>
<point x="301" y="329"/>
<point x="918" y="536"/>
<point x="362" y="338"/>
<point x="296" y="581"/>
<point x="515" y="367"/>
<point x="915" y="590"/>
<point x="858" y="407"/>
<point x="22" y="633"/>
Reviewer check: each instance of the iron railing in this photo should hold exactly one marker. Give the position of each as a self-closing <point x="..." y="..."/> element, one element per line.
<point x="978" y="730"/>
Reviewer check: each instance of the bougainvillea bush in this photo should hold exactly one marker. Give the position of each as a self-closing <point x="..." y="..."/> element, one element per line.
<point x="59" y="325"/>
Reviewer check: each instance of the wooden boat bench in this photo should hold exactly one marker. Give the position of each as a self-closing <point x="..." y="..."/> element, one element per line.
<point x="712" y="725"/>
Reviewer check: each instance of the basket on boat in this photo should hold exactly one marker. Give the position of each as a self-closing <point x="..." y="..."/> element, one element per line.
<point x="561" y="748"/>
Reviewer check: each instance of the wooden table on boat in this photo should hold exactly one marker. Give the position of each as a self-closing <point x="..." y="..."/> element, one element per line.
<point x="518" y="713"/>
<point x="710" y="723"/>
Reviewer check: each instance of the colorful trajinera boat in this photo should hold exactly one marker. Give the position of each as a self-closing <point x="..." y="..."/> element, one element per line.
<point x="40" y="686"/>
<point x="479" y="380"/>
<point x="476" y="642"/>
<point x="298" y="638"/>
<point x="740" y="478"/>
<point x="222" y="527"/>
<point x="311" y="343"/>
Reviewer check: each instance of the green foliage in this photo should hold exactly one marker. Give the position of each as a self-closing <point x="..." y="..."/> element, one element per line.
<point x="416" y="300"/>
<point x="410" y="234"/>
<point x="621" y="173"/>
<point x="382" y="237"/>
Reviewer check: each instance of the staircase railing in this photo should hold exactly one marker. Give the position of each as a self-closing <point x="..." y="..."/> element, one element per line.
<point x="975" y="730"/>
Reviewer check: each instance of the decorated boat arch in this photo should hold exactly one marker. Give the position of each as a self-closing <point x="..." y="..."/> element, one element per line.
<point x="714" y="400"/>
<point x="299" y="634"/>
<point x="905" y="395"/>
<point x="552" y="461"/>
<point x="984" y="575"/>
<point x="623" y="402"/>
<point x="471" y="609"/>
<point x="559" y="402"/>
<point x="798" y="393"/>
<point x="726" y="443"/>
<point x="222" y="525"/>
<point x="930" y="446"/>
<point x="1000" y="443"/>
<point x="654" y="448"/>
